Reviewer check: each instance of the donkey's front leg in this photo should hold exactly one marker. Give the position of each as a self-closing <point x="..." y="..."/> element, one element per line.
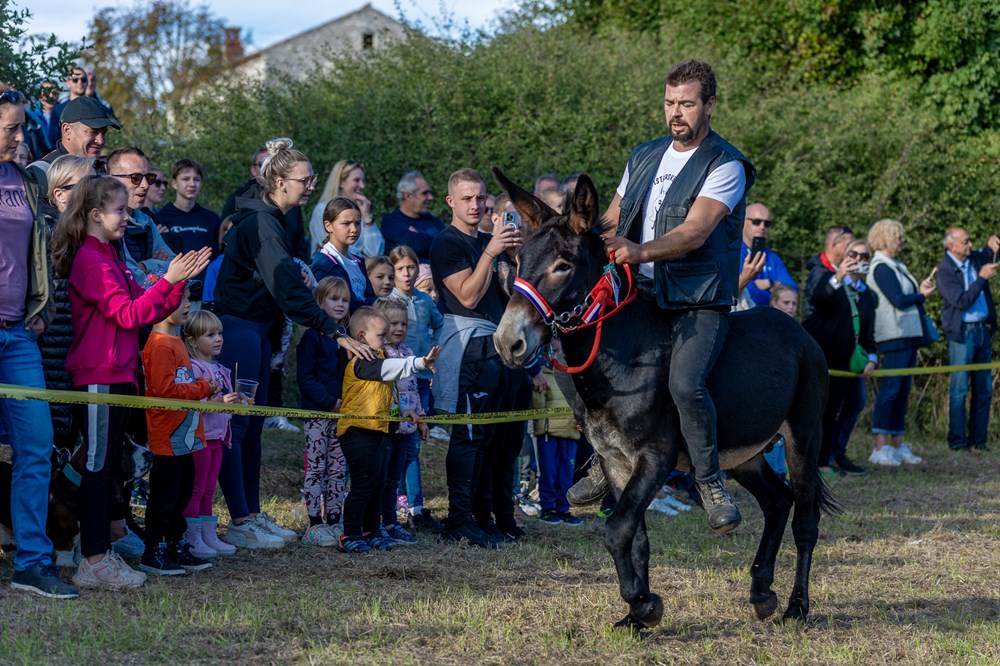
<point x="626" y="540"/>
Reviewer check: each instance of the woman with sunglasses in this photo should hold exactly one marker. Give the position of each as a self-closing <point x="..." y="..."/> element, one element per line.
<point x="842" y="318"/>
<point x="347" y="179"/>
<point x="258" y="283"/>
<point x="898" y="332"/>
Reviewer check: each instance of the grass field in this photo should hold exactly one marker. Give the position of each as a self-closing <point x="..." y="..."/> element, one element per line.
<point x="908" y="575"/>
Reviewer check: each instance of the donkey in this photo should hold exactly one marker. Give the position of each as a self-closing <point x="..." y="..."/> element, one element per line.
<point x="770" y="378"/>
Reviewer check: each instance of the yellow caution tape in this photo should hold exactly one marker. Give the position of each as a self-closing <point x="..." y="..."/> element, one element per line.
<point x="930" y="370"/>
<point x="80" y="397"/>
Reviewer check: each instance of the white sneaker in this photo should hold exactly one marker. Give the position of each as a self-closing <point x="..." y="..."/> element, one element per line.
<point x="281" y="423"/>
<point x="904" y="454"/>
<point x="529" y="507"/>
<point x="675" y="504"/>
<point x="437" y="432"/>
<point x="111" y="573"/>
<point x="251" y="535"/>
<point x="320" y="535"/>
<point x="272" y="526"/>
<point x="884" y="457"/>
<point x="660" y="505"/>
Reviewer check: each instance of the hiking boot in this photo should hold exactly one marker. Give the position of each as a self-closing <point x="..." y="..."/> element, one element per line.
<point x="180" y="552"/>
<point x="470" y="533"/>
<point x="591" y="488"/>
<point x="43" y="580"/>
<point x="111" y="573"/>
<point x="848" y="466"/>
<point x="158" y="561"/>
<point x="723" y="515"/>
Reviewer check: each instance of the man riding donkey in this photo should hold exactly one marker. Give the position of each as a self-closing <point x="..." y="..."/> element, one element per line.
<point x="678" y="213"/>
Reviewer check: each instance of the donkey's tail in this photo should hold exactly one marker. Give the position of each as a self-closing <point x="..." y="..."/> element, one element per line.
<point x="825" y="500"/>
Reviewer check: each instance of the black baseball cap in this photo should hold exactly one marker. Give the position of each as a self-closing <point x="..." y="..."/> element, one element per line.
<point x="90" y="112"/>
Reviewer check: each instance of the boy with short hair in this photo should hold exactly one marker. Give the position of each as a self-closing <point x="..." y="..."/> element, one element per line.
<point x="370" y="390"/>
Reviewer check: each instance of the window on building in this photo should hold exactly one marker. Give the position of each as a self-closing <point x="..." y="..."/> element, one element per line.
<point x="367" y="41"/>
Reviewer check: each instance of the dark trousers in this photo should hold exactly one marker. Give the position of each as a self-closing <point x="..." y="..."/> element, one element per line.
<point x="974" y="387"/>
<point x="247" y="345"/>
<point x="844" y="403"/>
<point x="495" y="489"/>
<point x="100" y="483"/>
<point x="171" y="482"/>
<point x="366" y="452"/>
<point x="696" y="338"/>
<point x="480" y="389"/>
<point x="394" y="465"/>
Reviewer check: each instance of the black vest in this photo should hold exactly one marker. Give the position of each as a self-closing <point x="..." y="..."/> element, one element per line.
<point x="709" y="275"/>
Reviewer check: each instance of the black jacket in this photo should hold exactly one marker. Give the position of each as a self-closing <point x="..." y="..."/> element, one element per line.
<point x="831" y="320"/>
<point x="956" y="300"/>
<point x="259" y="279"/>
<point x="296" y="231"/>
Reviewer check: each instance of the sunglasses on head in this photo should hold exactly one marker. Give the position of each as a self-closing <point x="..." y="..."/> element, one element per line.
<point x="12" y="96"/>
<point x="136" y="178"/>
<point x="757" y="221"/>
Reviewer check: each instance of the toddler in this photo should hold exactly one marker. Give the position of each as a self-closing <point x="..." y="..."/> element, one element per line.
<point x="173" y="437"/>
<point x="369" y="388"/>
<point x="320" y="371"/>
<point x="202" y="335"/>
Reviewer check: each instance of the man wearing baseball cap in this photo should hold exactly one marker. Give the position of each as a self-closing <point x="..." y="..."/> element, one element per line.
<point x="84" y="123"/>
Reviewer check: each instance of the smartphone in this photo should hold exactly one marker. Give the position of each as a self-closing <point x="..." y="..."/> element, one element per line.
<point x="757" y="246"/>
<point x="512" y="219"/>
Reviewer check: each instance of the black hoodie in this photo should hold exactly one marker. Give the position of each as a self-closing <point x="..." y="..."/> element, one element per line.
<point x="259" y="279"/>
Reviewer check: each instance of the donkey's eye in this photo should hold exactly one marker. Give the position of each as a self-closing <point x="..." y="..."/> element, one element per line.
<point x="562" y="267"/>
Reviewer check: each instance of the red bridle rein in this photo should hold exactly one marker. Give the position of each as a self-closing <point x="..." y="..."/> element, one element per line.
<point x="588" y="313"/>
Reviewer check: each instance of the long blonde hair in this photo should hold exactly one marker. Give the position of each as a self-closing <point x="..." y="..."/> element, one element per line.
<point x="341" y="170"/>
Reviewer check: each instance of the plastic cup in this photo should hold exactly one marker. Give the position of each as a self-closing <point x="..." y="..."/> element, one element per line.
<point x="247" y="388"/>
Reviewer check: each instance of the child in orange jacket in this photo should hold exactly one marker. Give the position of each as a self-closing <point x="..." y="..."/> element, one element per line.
<point x="173" y="436"/>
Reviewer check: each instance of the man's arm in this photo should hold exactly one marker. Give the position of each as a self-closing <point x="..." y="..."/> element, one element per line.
<point x="611" y="216"/>
<point x="469" y="285"/>
<point x="701" y="220"/>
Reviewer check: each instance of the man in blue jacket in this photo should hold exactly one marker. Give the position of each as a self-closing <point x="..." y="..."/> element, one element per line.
<point x="758" y="223"/>
<point x="968" y="317"/>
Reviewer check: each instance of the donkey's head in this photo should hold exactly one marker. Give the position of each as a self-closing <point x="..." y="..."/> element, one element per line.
<point x="561" y="257"/>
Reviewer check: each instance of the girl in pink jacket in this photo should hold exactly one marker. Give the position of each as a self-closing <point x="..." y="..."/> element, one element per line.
<point x="107" y="309"/>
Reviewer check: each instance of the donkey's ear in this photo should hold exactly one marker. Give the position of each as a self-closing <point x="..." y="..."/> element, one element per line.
<point x="533" y="210"/>
<point x="583" y="205"/>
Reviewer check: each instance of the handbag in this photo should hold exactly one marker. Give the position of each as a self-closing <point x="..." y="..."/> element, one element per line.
<point x="930" y="332"/>
<point x="859" y="357"/>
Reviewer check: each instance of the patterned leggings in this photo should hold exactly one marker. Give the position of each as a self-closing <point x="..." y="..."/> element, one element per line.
<point x="326" y="470"/>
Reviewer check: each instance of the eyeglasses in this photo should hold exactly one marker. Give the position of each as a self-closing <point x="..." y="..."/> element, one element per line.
<point x="308" y="181"/>
<point x="863" y="256"/>
<point x="12" y="96"/>
<point x="136" y="178"/>
<point x="757" y="221"/>
<point x="159" y="182"/>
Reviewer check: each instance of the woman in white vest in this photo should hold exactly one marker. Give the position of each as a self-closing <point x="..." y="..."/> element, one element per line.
<point x="898" y="331"/>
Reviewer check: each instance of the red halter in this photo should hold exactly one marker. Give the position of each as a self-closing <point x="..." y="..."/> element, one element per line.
<point x="585" y="314"/>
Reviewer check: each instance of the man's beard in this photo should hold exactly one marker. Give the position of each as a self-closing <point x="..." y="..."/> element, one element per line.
<point x="685" y="135"/>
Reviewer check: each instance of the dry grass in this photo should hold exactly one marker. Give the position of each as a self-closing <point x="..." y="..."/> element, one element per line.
<point x="907" y="575"/>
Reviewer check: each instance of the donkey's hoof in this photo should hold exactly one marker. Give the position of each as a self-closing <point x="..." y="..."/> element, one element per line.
<point x="767" y="607"/>
<point x="627" y="625"/>
<point x="795" y="613"/>
<point x="648" y="611"/>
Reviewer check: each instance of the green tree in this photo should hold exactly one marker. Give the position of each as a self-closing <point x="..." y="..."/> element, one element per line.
<point x="151" y="56"/>
<point x="26" y="60"/>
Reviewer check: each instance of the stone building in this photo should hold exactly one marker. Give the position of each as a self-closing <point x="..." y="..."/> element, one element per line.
<point x="360" y="31"/>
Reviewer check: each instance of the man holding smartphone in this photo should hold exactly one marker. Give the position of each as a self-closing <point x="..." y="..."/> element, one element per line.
<point x="755" y="232"/>
<point x="678" y="212"/>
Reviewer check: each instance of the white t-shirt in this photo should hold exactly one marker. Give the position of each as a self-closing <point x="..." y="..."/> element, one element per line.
<point x="725" y="184"/>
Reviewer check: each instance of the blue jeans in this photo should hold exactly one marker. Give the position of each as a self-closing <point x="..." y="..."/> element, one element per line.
<point x="889" y="412"/>
<point x="246" y="344"/>
<point x="974" y="348"/>
<point x="411" y="484"/>
<point x="556" y="460"/>
<point x="29" y="428"/>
